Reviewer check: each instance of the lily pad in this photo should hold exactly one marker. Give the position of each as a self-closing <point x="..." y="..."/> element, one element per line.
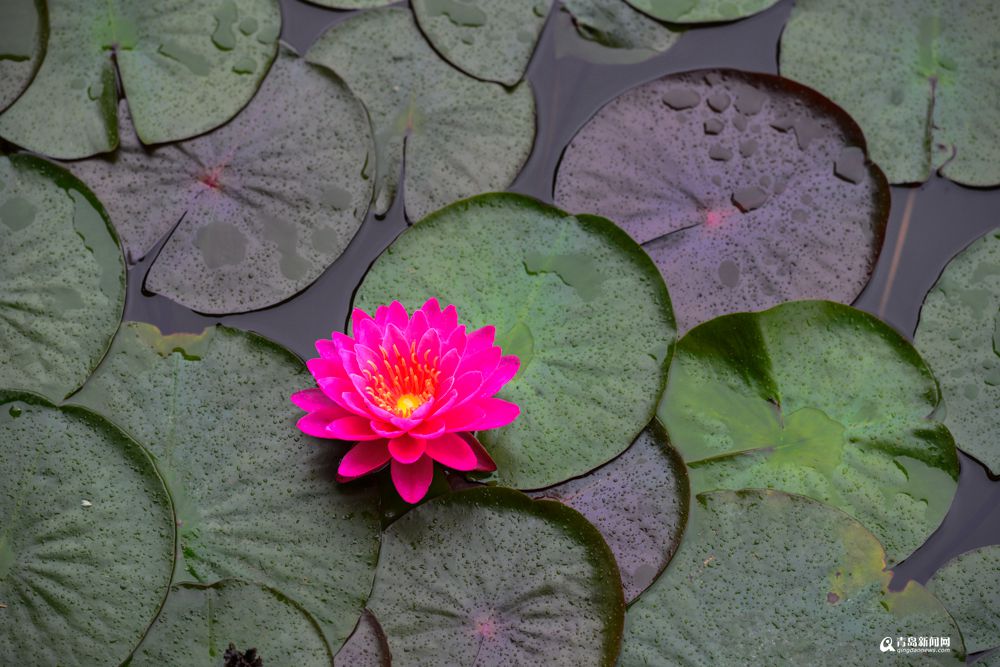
<point x="620" y="35"/>
<point x="255" y="499"/>
<point x="747" y="190"/>
<point x="367" y="646"/>
<point x="23" y="33"/>
<point x="573" y="297"/>
<point x="483" y="38"/>
<point x="198" y="623"/>
<point x="760" y="573"/>
<point x="489" y="576"/>
<point x="63" y="278"/>
<point x="87" y="539"/>
<point x="816" y="398"/>
<point x="258" y="209"/>
<point x="959" y="335"/>
<point x="969" y="587"/>
<point x="352" y="4"/>
<point x="926" y="99"/>
<point x="185" y="68"/>
<point x="460" y="136"/>
<point x="700" y="11"/>
<point x="639" y="502"/>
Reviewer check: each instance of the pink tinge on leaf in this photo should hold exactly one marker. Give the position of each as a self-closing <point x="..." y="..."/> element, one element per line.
<point x="408" y="390"/>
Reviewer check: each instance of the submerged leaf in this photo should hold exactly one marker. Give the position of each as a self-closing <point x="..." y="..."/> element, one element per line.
<point x="618" y="34"/>
<point x="701" y="11"/>
<point x="23" y="33"/>
<point x="186" y="68"/>
<point x="460" y="136"/>
<point x="747" y="190"/>
<point x="573" y="297"/>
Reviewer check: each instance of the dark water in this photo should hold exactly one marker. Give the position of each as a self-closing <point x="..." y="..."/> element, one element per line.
<point x="928" y="226"/>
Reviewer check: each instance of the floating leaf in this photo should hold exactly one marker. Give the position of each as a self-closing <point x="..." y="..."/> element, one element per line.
<point x="639" y="502"/>
<point x="700" y="11"/>
<point x="265" y="203"/>
<point x="352" y="4"/>
<point x="746" y="189"/>
<point x="969" y="587"/>
<point x="816" y="398"/>
<point x="926" y="97"/>
<point x="367" y="646"/>
<point x="185" y="67"/>
<point x="63" y="278"/>
<point x="490" y="576"/>
<point x="959" y="335"/>
<point x="255" y="499"/>
<point x="87" y="537"/>
<point x="760" y="571"/>
<point x="198" y="623"/>
<point x="626" y="35"/>
<point x="23" y="33"/>
<point x="461" y="136"/>
<point x="573" y="297"/>
<point x="486" y="39"/>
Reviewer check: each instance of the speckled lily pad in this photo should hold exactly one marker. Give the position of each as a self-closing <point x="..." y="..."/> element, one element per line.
<point x="701" y="11"/>
<point x="969" y="587"/>
<point x="23" y="33"/>
<point x="366" y="647"/>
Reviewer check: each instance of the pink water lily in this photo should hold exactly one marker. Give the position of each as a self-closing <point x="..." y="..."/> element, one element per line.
<point x="409" y="391"/>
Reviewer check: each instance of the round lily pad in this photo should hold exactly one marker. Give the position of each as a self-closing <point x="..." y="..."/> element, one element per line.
<point x="185" y="67"/>
<point x="617" y="33"/>
<point x="23" y="33"/>
<point x="63" y="278"/>
<point x="460" y="136"/>
<point x="701" y="11"/>
<point x="639" y="502"/>
<point x="255" y="498"/>
<point x="959" y="335"/>
<point x="969" y="587"/>
<point x="486" y="39"/>
<point x="367" y="646"/>
<point x="87" y="538"/>
<point x="816" y="398"/>
<point x="926" y="98"/>
<point x="765" y="578"/>
<point x="574" y="298"/>
<point x="489" y="576"/>
<point x="258" y="209"/>
<point x="747" y="190"/>
<point x="200" y="624"/>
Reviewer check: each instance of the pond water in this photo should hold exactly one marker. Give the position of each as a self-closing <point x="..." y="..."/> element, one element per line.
<point x="927" y="227"/>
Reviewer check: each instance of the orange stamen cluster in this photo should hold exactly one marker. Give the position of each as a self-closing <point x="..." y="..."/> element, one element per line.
<point x="403" y="384"/>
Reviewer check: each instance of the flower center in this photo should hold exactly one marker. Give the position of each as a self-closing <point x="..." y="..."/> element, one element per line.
<point x="403" y="382"/>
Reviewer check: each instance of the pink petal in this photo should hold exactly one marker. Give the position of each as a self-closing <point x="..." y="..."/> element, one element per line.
<point x="485" y="362"/>
<point x="456" y="340"/>
<point x="360" y="404"/>
<point x="406" y="449"/>
<point x="429" y="347"/>
<point x="369" y="360"/>
<point x="431" y="428"/>
<point x="413" y="479"/>
<point x="394" y="313"/>
<point x="327" y="349"/>
<point x="351" y="428"/>
<point x="452" y="451"/>
<point x="314" y="400"/>
<point x="464" y="417"/>
<point x="368" y="333"/>
<point x="484" y="462"/>
<point x="315" y="424"/>
<point x="494" y="413"/>
<point x="479" y="340"/>
<point x="449" y="363"/>
<point x="326" y="368"/>
<point x="395" y="343"/>
<point x="417" y="326"/>
<point x="334" y="389"/>
<point x="387" y="430"/>
<point x="363" y="458"/>
<point x="357" y="317"/>
<point x="505" y="372"/>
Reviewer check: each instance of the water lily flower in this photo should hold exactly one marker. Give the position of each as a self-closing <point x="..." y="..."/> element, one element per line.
<point x="409" y="391"/>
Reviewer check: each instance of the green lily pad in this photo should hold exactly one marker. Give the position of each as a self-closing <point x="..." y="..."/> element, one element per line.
<point x="614" y="33"/>
<point x="969" y="587"/>
<point x="198" y="623"/>
<point x="816" y="398"/>
<point x="87" y="538"/>
<point x="485" y="39"/>
<point x="639" y="502"/>
<point x="574" y="298"/>
<point x="258" y="209"/>
<point x="185" y="68"/>
<point x="489" y="576"/>
<point x="460" y="136"/>
<point x="255" y="499"/>
<point x="352" y="4"/>
<point x="746" y="189"/>
<point x="767" y="578"/>
<point x="959" y="335"/>
<point x="63" y="278"/>
<point x="700" y="11"/>
<point x="926" y="99"/>
<point x="367" y="646"/>
<point x="23" y="33"/>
